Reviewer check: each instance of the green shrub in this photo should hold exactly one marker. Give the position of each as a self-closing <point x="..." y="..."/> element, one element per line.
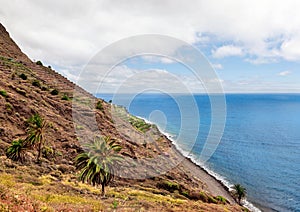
<point x="221" y="199"/>
<point x="8" y="106"/>
<point x="65" y="97"/>
<point x="203" y="197"/>
<point x="47" y="152"/>
<point x="16" y="151"/>
<point x="3" y="93"/>
<point x="36" y="83"/>
<point x="185" y="193"/>
<point x="99" y="105"/>
<point x="169" y="186"/>
<point x="39" y="63"/>
<point x="54" y="92"/>
<point x="212" y="200"/>
<point x="139" y="124"/>
<point x="23" y="76"/>
<point x="115" y="204"/>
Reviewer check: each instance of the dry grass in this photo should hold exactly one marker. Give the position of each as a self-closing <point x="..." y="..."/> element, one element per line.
<point x="50" y="194"/>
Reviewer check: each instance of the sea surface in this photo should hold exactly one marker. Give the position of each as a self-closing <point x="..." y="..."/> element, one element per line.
<point x="260" y="146"/>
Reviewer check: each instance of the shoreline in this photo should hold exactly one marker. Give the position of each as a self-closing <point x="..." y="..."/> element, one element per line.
<point x="211" y="180"/>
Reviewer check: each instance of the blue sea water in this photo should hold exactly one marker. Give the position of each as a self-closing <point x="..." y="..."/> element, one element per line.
<point x="260" y="146"/>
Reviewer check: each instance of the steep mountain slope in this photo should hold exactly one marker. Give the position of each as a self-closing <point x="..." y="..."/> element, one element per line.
<point x="27" y="88"/>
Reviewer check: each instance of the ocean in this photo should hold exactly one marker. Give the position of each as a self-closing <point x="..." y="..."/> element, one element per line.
<point x="260" y="146"/>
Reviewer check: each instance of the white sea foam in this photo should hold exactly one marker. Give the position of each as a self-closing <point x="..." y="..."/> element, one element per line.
<point x="215" y="175"/>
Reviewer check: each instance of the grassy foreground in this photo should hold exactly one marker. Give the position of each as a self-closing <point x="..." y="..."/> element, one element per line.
<point x="20" y="191"/>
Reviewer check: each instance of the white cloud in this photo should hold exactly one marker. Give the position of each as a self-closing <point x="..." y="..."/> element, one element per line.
<point x="67" y="34"/>
<point x="156" y="59"/>
<point x="217" y="66"/>
<point x="227" y="51"/>
<point x="290" y="49"/>
<point x="126" y="80"/>
<point x="71" y="31"/>
<point x="284" y="73"/>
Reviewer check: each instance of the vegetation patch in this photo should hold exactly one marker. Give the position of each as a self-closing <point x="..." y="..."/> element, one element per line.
<point x="8" y="106"/>
<point x="39" y="63"/>
<point x="3" y="93"/>
<point x="66" y="97"/>
<point x="136" y="122"/>
<point x="54" y="92"/>
<point x="7" y="180"/>
<point x="99" y="105"/>
<point x="221" y="199"/>
<point x="158" y="198"/>
<point x="169" y="186"/>
<point x="23" y="76"/>
<point x="36" y="83"/>
<point x="139" y="124"/>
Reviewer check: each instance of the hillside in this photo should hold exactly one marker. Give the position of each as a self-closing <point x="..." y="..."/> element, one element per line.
<point x="52" y="184"/>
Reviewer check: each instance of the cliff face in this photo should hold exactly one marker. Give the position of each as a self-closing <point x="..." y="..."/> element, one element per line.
<point x="9" y="48"/>
<point x="21" y="98"/>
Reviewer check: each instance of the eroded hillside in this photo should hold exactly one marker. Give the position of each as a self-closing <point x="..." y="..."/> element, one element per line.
<point x="167" y="181"/>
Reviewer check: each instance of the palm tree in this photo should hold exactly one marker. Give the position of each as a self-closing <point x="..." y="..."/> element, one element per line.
<point x="36" y="131"/>
<point x="16" y="151"/>
<point x="239" y="192"/>
<point x="98" y="164"/>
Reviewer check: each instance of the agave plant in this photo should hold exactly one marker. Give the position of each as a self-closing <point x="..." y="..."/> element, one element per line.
<point x="97" y="164"/>
<point x="36" y="131"/>
<point x="16" y="151"/>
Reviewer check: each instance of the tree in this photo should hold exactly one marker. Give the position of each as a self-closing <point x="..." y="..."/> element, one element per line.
<point x="97" y="164"/>
<point x="16" y="151"/>
<point x="36" y="132"/>
<point x="239" y="192"/>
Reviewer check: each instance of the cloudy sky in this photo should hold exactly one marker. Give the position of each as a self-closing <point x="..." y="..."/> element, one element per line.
<point x="254" y="46"/>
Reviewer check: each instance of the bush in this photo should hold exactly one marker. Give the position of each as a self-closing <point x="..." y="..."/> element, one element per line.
<point x="203" y="197"/>
<point x="23" y="76"/>
<point x="39" y="63"/>
<point x="99" y="105"/>
<point x="185" y="193"/>
<point x="212" y="200"/>
<point x="47" y="152"/>
<point x="36" y="83"/>
<point x="54" y="92"/>
<point x="3" y="93"/>
<point x="65" y="97"/>
<point x="8" y="106"/>
<point x="221" y="199"/>
<point x="169" y="186"/>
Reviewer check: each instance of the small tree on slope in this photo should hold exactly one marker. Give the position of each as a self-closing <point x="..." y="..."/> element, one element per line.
<point x="97" y="165"/>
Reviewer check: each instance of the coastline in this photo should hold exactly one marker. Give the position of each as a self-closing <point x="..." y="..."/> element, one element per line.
<point x="216" y="184"/>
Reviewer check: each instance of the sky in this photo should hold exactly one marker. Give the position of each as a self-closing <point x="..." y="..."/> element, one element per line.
<point x="253" y="46"/>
